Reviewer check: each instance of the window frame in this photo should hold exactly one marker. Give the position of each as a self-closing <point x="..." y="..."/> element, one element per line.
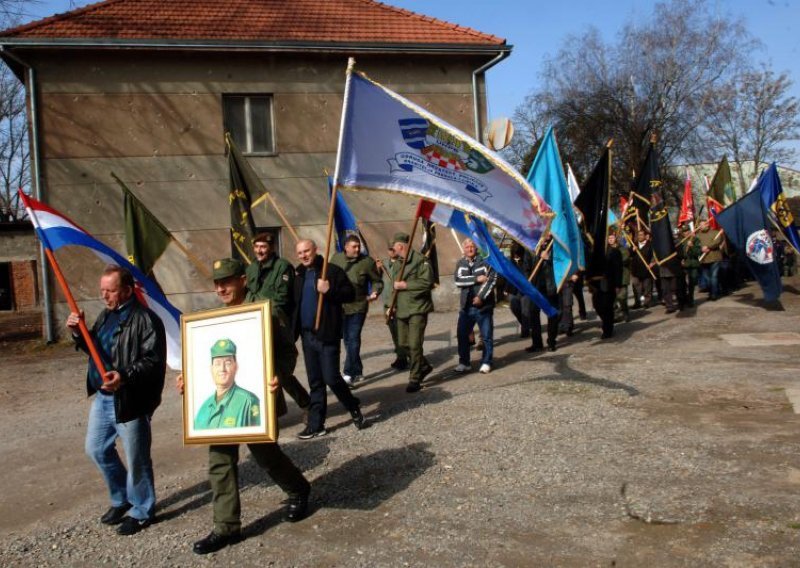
<point x="248" y="122"/>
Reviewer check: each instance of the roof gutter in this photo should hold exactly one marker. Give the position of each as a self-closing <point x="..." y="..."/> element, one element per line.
<point x="30" y="80"/>
<point x="284" y="47"/>
<point x="481" y="72"/>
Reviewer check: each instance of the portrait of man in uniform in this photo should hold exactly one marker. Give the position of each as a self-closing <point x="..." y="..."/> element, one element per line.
<point x="230" y="406"/>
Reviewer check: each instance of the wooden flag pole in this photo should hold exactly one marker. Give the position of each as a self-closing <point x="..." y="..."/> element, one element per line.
<point x="541" y="261"/>
<point x="87" y="337"/>
<point x="702" y="256"/>
<point x="324" y="275"/>
<point x="268" y="197"/>
<point x="638" y="252"/>
<point x="390" y="311"/>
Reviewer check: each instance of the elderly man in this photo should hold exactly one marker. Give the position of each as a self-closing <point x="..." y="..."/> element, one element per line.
<point x="322" y="344"/>
<point x="476" y="280"/>
<point x="363" y="274"/>
<point x="414" y="303"/>
<point x="230" y="406"/>
<point x="132" y="344"/>
<point x="223" y="460"/>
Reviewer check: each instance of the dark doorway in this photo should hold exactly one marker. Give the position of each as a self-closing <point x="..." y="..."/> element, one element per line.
<point x="6" y="296"/>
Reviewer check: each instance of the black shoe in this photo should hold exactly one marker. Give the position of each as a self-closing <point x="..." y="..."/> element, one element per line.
<point x="425" y="372"/>
<point x="131" y="526"/>
<point x="570" y="332"/>
<point x="607" y="336"/>
<point x="308" y="433"/>
<point x="413" y="386"/>
<point x="582" y="316"/>
<point x="551" y="347"/>
<point x="358" y="419"/>
<point x="215" y="541"/>
<point x="399" y="364"/>
<point x="524" y="334"/>
<point x="297" y="509"/>
<point x="533" y="348"/>
<point x="115" y="515"/>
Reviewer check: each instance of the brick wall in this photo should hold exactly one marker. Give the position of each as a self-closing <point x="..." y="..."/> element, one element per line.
<point x="24" y="284"/>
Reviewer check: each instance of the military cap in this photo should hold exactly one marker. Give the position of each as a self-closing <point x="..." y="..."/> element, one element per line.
<point x="223" y="348"/>
<point x="227" y="267"/>
<point x="400" y="238"/>
<point x="264" y="238"/>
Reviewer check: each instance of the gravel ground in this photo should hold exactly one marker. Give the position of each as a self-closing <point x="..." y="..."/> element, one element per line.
<point x="664" y="446"/>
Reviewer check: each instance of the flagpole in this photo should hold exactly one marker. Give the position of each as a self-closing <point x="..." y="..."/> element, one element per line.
<point x="87" y="337"/>
<point x="268" y="197"/>
<point x="636" y="249"/>
<point x="541" y="260"/>
<point x="351" y="62"/>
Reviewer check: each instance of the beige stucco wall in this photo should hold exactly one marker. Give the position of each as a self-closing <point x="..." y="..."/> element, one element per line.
<point x="155" y="119"/>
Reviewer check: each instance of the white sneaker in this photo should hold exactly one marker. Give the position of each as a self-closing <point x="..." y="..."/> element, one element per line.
<point x="460" y="368"/>
<point x="348" y="379"/>
<point x="485" y="368"/>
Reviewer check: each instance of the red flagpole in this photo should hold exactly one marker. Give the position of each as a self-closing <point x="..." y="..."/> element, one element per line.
<point x="87" y="337"/>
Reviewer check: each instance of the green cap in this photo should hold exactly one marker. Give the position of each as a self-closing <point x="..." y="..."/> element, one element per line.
<point x="227" y="267"/>
<point x="223" y="348"/>
<point x="400" y="238"/>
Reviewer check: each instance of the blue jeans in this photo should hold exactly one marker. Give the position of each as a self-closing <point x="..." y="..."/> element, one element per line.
<point x="351" y="331"/>
<point x="134" y="485"/>
<point x="710" y="276"/>
<point x="467" y="318"/>
<point x="322" y="368"/>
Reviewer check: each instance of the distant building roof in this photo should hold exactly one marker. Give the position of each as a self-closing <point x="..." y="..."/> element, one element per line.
<point x="258" y="21"/>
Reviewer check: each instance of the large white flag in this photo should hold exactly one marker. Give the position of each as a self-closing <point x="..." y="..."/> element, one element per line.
<point x="388" y="143"/>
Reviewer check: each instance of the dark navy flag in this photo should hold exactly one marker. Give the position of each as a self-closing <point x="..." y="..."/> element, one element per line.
<point x="746" y="225"/>
<point x="769" y="185"/>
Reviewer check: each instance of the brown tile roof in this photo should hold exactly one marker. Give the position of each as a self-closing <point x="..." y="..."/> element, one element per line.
<point x="313" y="21"/>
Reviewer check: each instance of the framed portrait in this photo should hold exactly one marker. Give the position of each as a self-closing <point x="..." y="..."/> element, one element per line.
<point x="227" y="362"/>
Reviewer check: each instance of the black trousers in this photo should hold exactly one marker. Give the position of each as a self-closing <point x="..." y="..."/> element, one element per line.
<point x="536" y="322"/>
<point x="604" y="306"/>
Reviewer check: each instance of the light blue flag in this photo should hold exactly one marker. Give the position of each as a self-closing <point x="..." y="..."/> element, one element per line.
<point x="389" y="143"/>
<point x="612" y="218"/>
<point x="547" y="177"/>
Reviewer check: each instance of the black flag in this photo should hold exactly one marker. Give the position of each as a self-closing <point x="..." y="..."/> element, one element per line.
<point x="660" y="227"/>
<point x="242" y="178"/>
<point x="593" y="204"/>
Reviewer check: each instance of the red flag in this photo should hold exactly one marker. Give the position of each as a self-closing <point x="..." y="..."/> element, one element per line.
<point x="687" y="204"/>
<point x="714" y="207"/>
<point x="623" y="206"/>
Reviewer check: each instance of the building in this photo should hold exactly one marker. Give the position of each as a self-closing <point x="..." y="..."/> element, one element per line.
<point x="146" y="89"/>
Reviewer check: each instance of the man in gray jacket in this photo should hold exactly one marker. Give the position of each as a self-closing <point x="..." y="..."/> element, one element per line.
<point x="476" y="279"/>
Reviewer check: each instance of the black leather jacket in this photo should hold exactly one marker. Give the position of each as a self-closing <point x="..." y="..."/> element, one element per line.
<point x="341" y="292"/>
<point x="139" y="354"/>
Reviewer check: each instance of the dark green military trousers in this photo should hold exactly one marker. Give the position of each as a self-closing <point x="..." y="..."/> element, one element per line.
<point x="223" y="473"/>
<point x="410" y="336"/>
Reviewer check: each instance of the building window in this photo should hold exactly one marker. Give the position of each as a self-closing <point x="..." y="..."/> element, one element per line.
<point x="249" y="120"/>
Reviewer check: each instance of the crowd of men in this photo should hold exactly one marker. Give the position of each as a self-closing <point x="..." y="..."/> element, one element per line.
<point x="324" y="305"/>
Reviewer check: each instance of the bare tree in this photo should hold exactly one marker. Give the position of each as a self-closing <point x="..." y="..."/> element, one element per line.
<point x="14" y="148"/>
<point x="751" y="117"/>
<point x="655" y="78"/>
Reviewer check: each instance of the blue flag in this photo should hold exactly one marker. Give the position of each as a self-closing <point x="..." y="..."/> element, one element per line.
<point x="769" y="185"/>
<point x="345" y="222"/>
<point x="504" y="267"/>
<point x="746" y="225"/>
<point x="547" y="178"/>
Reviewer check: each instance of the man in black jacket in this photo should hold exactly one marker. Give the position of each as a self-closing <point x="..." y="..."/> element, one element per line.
<point x="133" y="347"/>
<point x="605" y="287"/>
<point x="322" y="346"/>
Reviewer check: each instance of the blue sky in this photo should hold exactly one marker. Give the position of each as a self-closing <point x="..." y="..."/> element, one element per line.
<point x="537" y="29"/>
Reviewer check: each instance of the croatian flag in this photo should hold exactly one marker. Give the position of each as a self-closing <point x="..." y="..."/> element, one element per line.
<point x="55" y="231"/>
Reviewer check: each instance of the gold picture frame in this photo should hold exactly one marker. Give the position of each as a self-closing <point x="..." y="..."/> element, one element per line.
<point x="227" y="361"/>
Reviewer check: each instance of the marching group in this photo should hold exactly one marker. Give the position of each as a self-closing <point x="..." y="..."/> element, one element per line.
<point x="131" y="341"/>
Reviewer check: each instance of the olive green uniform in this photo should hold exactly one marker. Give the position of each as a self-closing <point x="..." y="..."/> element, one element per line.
<point x="360" y="271"/>
<point x="391" y="267"/>
<point x="413" y="306"/>
<point x="621" y="310"/>
<point x="273" y="280"/>
<point x="237" y="408"/>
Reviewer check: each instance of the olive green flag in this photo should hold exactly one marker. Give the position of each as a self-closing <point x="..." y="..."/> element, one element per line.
<point x="145" y="237"/>
<point x="721" y="189"/>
